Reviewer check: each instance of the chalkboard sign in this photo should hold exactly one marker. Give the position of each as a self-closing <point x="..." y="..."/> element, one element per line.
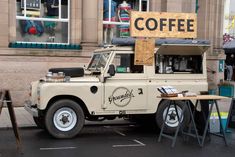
<point x="231" y="115"/>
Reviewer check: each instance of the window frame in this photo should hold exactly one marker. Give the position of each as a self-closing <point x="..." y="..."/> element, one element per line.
<point x="131" y="65"/>
<point x="59" y="19"/>
<point x="124" y="23"/>
<point x="178" y="72"/>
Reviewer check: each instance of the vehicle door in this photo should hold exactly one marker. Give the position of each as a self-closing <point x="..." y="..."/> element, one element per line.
<point x="127" y="89"/>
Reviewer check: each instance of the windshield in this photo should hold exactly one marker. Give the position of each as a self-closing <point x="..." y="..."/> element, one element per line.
<point x="98" y="61"/>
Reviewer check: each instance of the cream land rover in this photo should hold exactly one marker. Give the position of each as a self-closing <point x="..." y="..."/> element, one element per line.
<point x="112" y="86"/>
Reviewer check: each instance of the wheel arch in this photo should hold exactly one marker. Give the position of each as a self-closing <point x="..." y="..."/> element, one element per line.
<point x="70" y="97"/>
<point x="160" y="103"/>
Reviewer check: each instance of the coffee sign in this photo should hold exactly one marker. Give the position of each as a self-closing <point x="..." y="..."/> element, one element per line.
<point x="163" y="24"/>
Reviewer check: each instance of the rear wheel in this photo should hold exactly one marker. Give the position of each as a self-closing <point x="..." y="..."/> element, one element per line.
<point x="171" y="121"/>
<point x="64" y="119"/>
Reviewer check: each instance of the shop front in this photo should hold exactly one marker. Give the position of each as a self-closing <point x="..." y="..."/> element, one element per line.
<point x="36" y="35"/>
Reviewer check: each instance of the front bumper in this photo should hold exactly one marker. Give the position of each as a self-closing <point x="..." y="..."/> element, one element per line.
<point x="28" y="106"/>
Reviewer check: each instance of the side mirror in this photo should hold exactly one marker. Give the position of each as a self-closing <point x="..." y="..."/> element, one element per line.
<point x="111" y="70"/>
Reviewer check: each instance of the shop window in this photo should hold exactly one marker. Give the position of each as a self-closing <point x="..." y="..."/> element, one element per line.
<point x="42" y="21"/>
<point x="178" y="64"/>
<point x="124" y="63"/>
<point x="116" y="17"/>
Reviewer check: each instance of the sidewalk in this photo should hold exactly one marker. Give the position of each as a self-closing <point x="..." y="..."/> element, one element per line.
<point x="24" y="119"/>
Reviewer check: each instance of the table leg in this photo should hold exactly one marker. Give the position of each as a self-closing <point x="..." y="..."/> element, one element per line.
<point x="164" y="120"/>
<point x="207" y="124"/>
<point x="1" y="105"/>
<point x="179" y="125"/>
<point x="194" y="109"/>
<point x="13" y="120"/>
<point x="221" y="126"/>
<point x="2" y="95"/>
<point x="194" y="125"/>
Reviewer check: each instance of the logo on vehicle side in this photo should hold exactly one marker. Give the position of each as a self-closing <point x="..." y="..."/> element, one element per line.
<point x="121" y="96"/>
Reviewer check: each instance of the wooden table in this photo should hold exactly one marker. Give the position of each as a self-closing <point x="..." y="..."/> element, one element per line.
<point x="212" y="98"/>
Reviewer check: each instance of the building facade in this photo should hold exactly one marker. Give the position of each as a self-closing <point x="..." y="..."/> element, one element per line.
<point x="36" y="35"/>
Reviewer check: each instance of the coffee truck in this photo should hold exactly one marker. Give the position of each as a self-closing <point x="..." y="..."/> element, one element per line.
<point x="116" y="84"/>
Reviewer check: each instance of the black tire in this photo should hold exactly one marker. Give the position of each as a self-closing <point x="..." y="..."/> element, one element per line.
<point x="72" y="72"/>
<point x="172" y="123"/>
<point x="64" y="119"/>
<point x="40" y="122"/>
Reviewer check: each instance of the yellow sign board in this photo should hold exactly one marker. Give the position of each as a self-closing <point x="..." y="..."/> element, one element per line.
<point x="144" y="51"/>
<point x="163" y="24"/>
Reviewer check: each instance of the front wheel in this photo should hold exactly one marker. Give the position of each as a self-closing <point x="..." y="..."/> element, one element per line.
<point x="64" y="119"/>
<point x="171" y="121"/>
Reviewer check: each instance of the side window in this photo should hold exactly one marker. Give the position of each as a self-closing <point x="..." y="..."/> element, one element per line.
<point x="124" y="63"/>
<point x="178" y="64"/>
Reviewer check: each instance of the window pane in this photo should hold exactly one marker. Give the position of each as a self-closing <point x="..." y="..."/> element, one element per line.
<point x="98" y="61"/>
<point x="42" y="8"/>
<point x="144" y="5"/>
<point x="111" y="31"/>
<point x="64" y="9"/>
<point x="116" y="17"/>
<point x="124" y="63"/>
<point x="42" y="31"/>
<point x="51" y="7"/>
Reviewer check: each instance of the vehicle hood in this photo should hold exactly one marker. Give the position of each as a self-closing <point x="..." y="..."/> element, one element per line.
<point x="86" y="78"/>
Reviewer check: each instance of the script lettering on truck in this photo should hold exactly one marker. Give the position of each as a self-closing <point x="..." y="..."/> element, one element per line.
<point x="163" y="24"/>
<point x="121" y="96"/>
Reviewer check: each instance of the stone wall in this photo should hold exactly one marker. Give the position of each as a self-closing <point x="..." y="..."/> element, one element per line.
<point x="18" y="71"/>
<point x="4" y="30"/>
<point x="19" y="67"/>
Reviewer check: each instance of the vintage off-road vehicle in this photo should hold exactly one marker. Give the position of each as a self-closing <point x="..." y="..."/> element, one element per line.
<point x="112" y="86"/>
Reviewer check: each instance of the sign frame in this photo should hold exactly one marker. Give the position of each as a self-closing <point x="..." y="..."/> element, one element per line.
<point x="163" y="24"/>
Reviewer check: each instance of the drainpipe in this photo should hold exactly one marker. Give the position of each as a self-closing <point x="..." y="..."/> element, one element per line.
<point x="197" y="7"/>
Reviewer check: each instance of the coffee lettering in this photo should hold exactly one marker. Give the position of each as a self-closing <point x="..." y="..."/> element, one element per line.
<point x="136" y="23"/>
<point x="162" y="24"/>
<point x="148" y="23"/>
<point x="189" y="25"/>
<point x="171" y="24"/>
<point x="180" y="25"/>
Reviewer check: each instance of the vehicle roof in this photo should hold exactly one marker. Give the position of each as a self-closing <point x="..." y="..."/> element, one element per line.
<point x="115" y="48"/>
<point x="158" y="42"/>
<point x="162" y="45"/>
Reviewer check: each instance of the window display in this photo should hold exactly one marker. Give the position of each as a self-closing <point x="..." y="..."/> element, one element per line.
<point x="124" y="16"/>
<point x="44" y="21"/>
<point x="108" y="28"/>
<point x="116" y="17"/>
<point x="178" y="64"/>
